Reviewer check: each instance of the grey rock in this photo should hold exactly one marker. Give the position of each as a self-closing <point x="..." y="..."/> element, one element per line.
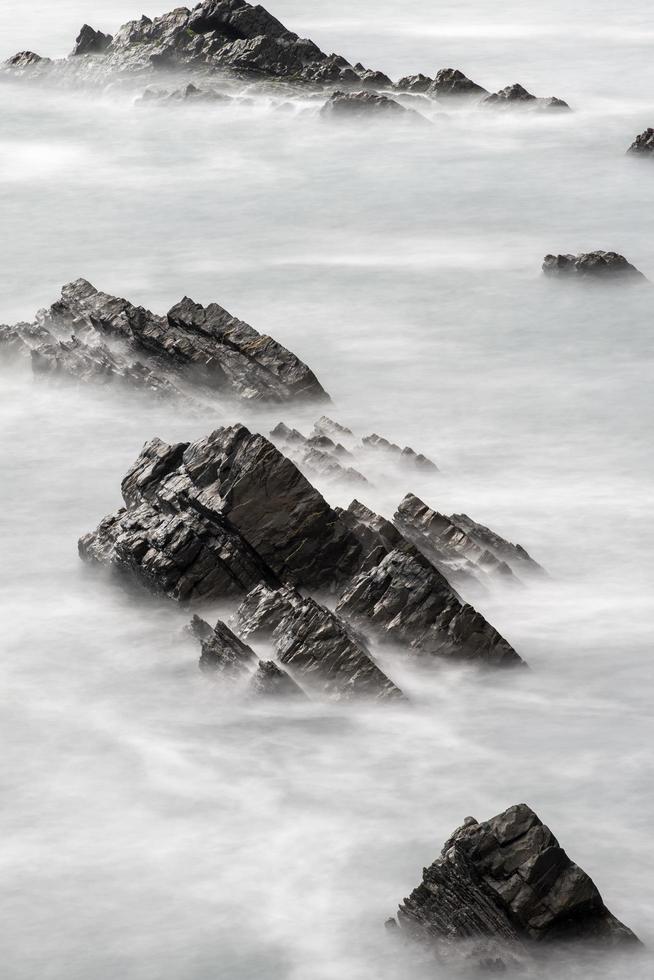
<point x="404" y="599"/>
<point x="222" y="651"/>
<point x="452" y="83"/>
<point x="508" y="879"/>
<point x="188" y="94"/>
<point x="418" y="84"/>
<point x="215" y="517"/>
<point x="644" y="143"/>
<point x="356" y="104"/>
<point x="317" y="456"/>
<point x="325" y="426"/>
<point x="607" y="266"/>
<point x="319" y="648"/>
<point x="404" y="456"/>
<point x="270" y="681"/>
<point x="191" y="346"/>
<point x="90" y="41"/>
<point x="518" y="96"/>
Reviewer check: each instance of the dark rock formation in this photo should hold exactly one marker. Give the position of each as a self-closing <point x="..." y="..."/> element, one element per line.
<point x="325" y="426"/>
<point x="643" y="144"/>
<point x="508" y="879"/>
<point x="270" y="681"/>
<point x="516" y="96"/>
<point x="191" y="346"/>
<point x="404" y="456"/>
<point x="356" y="104"/>
<point x="222" y="651"/>
<point x="406" y="600"/>
<point x="26" y="63"/>
<point x="187" y="94"/>
<point x="417" y="84"/>
<point x="450" y="82"/>
<point x="591" y="265"/>
<point x="459" y="539"/>
<point x="324" y="653"/>
<point x="217" y="516"/>
<point x="90" y="41"/>
<point x="376" y="535"/>
<point x="317" y="455"/>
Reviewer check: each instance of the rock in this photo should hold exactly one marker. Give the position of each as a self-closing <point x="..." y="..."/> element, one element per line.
<point x="191" y="346"/>
<point x="355" y="104"/>
<point x="317" y="456"/>
<point x="508" y="880"/>
<point x="327" y="427"/>
<point x="374" y="80"/>
<point x="452" y="83"/>
<point x="222" y="651"/>
<point x="188" y="93"/>
<point x="517" y="96"/>
<point x="418" y="84"/>
<point x="27" y="64"/>
<point x="643" y="144"/>
<point x="404" y="456"/>
<point x="270" y="681"/>
<point x="591" y="265"/>
<point x="459" y="539"/>
<point x="90" y="41"/>
<point x="215" y="517"/>
<point x="320" y="649"/>
<point x="376" y="535"/>
<point x="406" y="600"/>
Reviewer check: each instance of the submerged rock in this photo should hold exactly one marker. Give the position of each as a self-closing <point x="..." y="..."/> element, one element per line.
<point x="191" y="346"/>
<point x="187" y="94"/>
<point x="517" y="96"/>
<point x="417" y="84"/>
<point x="508" y="880"/>
<point x="644" y="143"/>
<point x="450" y="82"/>
<point x="404" y="456"/>
<point x="317" y="646"/>
<point x="355" y="104"/>
<point x="317" y="455"/>
<point x="217" y="516"/>
<point x="591" y="265"/>
<point x="404" y="599"/>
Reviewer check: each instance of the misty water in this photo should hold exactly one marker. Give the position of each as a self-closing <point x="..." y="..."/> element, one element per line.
<point x="157" y="828"/>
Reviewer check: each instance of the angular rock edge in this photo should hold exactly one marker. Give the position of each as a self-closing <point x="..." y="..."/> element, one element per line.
<point x="607" y="266"/>
<point x="508" y="879"/>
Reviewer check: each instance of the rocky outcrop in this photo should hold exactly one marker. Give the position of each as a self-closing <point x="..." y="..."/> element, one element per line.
<point x="404" y="456"/>
<point x="609" y="266"/>
<point x="644" y="143"/>
<point x="191" y="348"/>
<point x="516" y="96"/>
<point x="404" y="599"/>
<point x="417" y="84"/>
<point x="315" y="644"/>
<point x="317" y="455"/>
<point x="349" y="105"/>
<point x="270" y="681"/>
<point x="216" y="517"/>
<point x="459" y="543"/>
<point x="452" y="83"/>
<point x="90" y="41"/>
<point x="509" y="880"/>
<point x="222" y="651"/>
<point x="189" y="93"/>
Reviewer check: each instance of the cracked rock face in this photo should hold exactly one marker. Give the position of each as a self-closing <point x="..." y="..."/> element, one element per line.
<point x="405" y="599"/>
<point x="609" y="266"/>
<point x="217" y="516"/>
<point x="508" y="879"/>
<point x="327" y="656"/>
<point x="191" y="348"/>
<point x="222" y="651"/>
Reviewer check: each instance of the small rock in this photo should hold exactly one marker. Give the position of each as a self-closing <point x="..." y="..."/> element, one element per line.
<point x="90" y="41"/>
<point x="518" y="96"/>
<point x="609" y="266"/>
<point x="452" y="83"/>
<point x="643" y="144"/>
<point x="354" y="104"/>
<point x="270" y="681"/>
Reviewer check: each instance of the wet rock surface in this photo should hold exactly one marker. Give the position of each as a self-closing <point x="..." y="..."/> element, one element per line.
<point x="516" y="96"/>
<point x="315" y="644"/>
<point x="644" y="143"/>
<point x="191" y="348"/>
<point x="609" y="266"/>
<point x="347" y="105"/>
<point x="457" y="543"/>
<point x="508" y="879"/>
<point x="222" y="651"/>
<point x="217" y="516"/>
<point x="404" y="599"/>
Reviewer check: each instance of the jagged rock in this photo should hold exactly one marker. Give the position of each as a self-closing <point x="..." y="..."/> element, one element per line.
<point x="355" y="104"/>
<point x="376" y="535"/>
<point x="644" y="143"/>
<point x="406" y="455"/>
<point x="374" y="80"/>
<point x="517" y="96"/>
<point x="457" y="537"/>
<point x="450" y="82"/>
<point x="188" y="93"/>
<point x="325" y="426"/>
<point x="591" y="265"/>
<point x="191" y="345"/>
<point x="27" y="64"/>
<point x="222" y="651"/>
<point x="217" y="516"/>
<point x="508" y="880"/>
<point x="270" y="681"/>
<point x="90" y="41"/>
<point x="317" y="455"/>
<point x="315" y="644"/>
<point x="418" y="84"/>
<point x="406" y="600"/>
